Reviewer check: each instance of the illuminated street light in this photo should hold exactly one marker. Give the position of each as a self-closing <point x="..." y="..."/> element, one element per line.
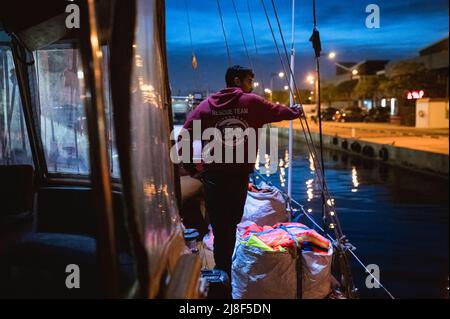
<point x="272" y="76"/>
<point x="310" y="78"/>
<point x="332" y="56"/>
<point x="256" y="84"/>
<point x="269" y="91"/>
<point x="286" y="87"/>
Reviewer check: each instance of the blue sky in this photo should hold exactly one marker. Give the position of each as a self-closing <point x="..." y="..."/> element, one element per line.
<point x="406" y="27"/>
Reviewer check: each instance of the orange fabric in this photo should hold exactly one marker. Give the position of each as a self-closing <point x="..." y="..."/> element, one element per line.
<point x="253" y="189"/>
<point x="276" y="237"/>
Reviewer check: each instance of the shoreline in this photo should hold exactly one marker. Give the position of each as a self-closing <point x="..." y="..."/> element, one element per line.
<point x="415" y="159"/>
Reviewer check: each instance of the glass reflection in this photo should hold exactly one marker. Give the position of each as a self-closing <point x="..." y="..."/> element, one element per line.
<point x="257" y="161"/>
<point x="267" y="164"/>
<point x="312" y="168"/>
<point x="152" y="169"/>
<point x="286" y="158"/>
<point x="354" y="180"/>
<point x="282" y="173"/>
<point x="309" y="189"/>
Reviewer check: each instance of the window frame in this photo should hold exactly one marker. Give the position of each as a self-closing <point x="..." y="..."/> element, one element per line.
<point x="62" y="178"/>
<point x="27" y="90"/>
<point x="59" y="178"/>
<point x="8" y="45"/>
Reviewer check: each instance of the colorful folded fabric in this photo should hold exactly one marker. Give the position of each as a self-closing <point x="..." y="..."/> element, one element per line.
<point x="283" y="234"/>
<point x="254" y="189"/>
<point x="254" y="241"/>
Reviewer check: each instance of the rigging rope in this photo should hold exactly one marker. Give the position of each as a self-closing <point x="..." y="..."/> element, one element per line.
<point x="242" y="33"/>
<point x="339" y="237"/>
<point x="253" y="29"/>
<point x="303" y="121"/>
<point x="256" y="59"/>
<point x="341" y="247"/>
<point x="189" y="26"/>
<point x="315" y="39"/>
<point x="312" y="150"/>
<point x="310" y="144"/>
<point x="224" y="33"/>
<point x="194" y="58"/>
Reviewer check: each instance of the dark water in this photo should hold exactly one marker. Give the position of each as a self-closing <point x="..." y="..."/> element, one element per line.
<point x="398" y="219"/>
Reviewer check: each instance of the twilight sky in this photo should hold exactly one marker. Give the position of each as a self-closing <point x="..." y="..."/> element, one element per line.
<point x="406" y="27"/>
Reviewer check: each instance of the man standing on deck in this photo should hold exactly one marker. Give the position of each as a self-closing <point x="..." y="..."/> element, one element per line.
<point x="225" y="184"/>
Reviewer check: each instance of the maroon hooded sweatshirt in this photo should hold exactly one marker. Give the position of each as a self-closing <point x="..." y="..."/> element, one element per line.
<point x="232" y="108"/>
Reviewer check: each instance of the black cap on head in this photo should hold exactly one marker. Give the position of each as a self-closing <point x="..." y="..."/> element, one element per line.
<point x="237" y="71"/>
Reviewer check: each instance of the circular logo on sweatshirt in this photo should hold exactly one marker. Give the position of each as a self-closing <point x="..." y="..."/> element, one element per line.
<point x="233" y="131"/>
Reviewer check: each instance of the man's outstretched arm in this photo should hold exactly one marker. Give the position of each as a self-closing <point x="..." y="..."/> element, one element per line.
<point x="272" y="112"/>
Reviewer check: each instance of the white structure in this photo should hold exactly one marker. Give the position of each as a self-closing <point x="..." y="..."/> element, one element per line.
<point x="309" y="109"/>
<point x="432" y="113"/>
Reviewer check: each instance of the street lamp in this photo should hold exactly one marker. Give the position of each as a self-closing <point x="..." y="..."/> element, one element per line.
<point x="310" y="79"/>
<point x="273" y="75"/>
<point x="332" y="56"/>
<point x="268" y="91"/>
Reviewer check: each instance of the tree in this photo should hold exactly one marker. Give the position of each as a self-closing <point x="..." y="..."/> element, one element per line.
<point x="341" y="92"/>
<point x="345" y="89"/>
<point x="329" y="94"/>
<point x="404" y="76"/>
<point x="283" y="96"/>
<point x="367" y="88"/>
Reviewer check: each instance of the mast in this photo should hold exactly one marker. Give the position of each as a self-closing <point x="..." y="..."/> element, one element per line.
<point x="291" y="101"/>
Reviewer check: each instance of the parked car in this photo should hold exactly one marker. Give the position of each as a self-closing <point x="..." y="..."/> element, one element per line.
<point x="351" y="114"/>
<point x="181" y="106"/>
<point x="328" y="114"/>
<point x="197" y="99"/>
<point x="378" y="114"/>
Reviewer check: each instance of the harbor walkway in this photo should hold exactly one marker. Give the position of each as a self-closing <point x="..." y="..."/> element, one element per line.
<point x="428" y="140"/>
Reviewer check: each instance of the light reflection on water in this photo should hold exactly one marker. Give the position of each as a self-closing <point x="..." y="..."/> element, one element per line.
<point x="397" y="219"/>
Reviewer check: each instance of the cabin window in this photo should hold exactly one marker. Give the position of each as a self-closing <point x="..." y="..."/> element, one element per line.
<point x="62" y="114"/>
<point x="62" y="111"/>
<point x="14" y="142"/>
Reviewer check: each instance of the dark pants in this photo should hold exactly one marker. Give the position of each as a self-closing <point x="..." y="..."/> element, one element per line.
<point x="225" y="196"/>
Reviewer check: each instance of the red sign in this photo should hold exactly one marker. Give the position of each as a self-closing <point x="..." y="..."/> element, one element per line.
<point x="414" y="95"/>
